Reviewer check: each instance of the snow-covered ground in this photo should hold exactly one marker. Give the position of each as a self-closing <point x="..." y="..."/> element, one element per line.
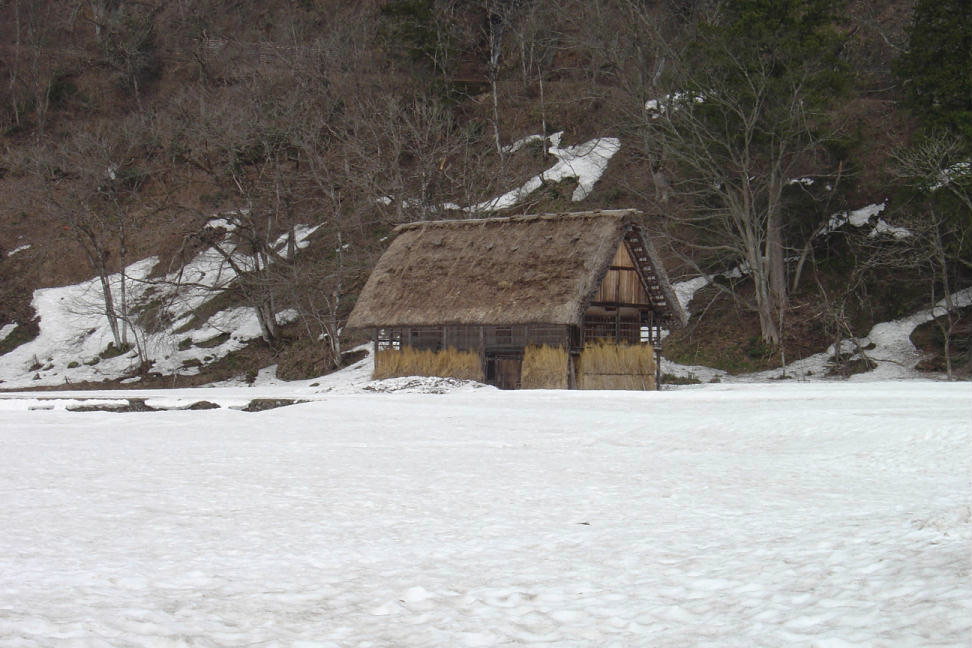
<point x="821" y="514"/>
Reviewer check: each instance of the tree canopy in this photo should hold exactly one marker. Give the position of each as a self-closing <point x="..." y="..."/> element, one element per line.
<point x="936" y="69"/>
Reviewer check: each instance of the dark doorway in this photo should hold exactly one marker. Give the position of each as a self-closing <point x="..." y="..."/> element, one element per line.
<point x="503" y="371"/>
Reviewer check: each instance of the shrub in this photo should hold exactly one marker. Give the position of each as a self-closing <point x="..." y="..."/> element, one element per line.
<point x="111" y="351"/>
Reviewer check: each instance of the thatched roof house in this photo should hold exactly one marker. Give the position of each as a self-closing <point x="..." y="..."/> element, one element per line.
<point x="495" y="286"/>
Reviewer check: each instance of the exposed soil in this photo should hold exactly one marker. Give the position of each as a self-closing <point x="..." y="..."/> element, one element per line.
<point x="138" y="405"/>
<point x="929" y="339"/>
<point x="723" y="335"/>
<point x="263" y="404"/>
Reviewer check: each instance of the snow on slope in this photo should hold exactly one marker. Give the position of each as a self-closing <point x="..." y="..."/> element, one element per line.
<point x="6" y="330"/>
<point x="586" y="162"/>
<point x="815" y="515"/>
<point x="74" y="330"/>
<point x="890" y="349"/>
<point x="18" y="249"/>
<point x="862" y="217"/>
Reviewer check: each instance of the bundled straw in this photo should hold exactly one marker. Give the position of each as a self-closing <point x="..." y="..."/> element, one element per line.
<point x="544" y="367"/>
<point x="450" y="363"/>
<point x="606" y="365"/>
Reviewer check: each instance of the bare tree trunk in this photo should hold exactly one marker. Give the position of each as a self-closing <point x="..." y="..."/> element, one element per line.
<point x="496" y="133"/>
<point x="110" y="312"/>
<point x="543" y="111"/>
<point x="123" y="278"/>
<point x="268" y="322"/>
<point x="334" y="303"/>
<point x="97" y="257"/>
<point x="946" y="326"/>
<point x="776" y="268"/>
<point x="14" y="65"/>
<point x="767" y="312"/>
<point x="948" y="356"/>
<point x="494" y="55"/>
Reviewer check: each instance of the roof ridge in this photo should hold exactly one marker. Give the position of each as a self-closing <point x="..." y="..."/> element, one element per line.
<point x="517" y="218"/>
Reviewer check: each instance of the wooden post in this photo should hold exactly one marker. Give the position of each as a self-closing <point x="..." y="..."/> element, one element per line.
<point x="374" y="353"/>
<point x="658" y="373"/>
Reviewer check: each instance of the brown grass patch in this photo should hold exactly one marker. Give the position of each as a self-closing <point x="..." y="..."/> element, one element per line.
<point x="544" y="367"/>
<point x="450" y="363"/>
<point x="605" y="365"/>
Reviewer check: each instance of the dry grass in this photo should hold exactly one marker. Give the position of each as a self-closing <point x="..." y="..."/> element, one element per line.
<point x="450" y="363"/>
<point x="492" y="271"/>
<point x="544" y="367"/>
<point x="605" y="365"/>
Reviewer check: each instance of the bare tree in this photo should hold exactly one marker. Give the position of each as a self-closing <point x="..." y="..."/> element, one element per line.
<point x="278" y="152"/>
<point x="37" y="61"/>
<point x="243" y="142"/>
<point x="93" y="184"/>
<point x="938" y="225"/>
<point x="741" y="119"/>
<point x="126" y="37"/>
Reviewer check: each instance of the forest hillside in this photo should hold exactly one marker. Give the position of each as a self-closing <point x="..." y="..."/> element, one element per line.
<point x="201" y="168"/>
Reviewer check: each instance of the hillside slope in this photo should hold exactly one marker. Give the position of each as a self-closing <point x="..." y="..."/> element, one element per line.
<point x="259" y="156"/>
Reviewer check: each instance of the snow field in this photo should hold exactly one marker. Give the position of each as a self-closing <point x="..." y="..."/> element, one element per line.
<point x="726" y="515"/>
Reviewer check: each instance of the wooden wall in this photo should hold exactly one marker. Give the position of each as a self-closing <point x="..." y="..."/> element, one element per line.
<point x="472" y="337"/>
<point x="622" y="284"/>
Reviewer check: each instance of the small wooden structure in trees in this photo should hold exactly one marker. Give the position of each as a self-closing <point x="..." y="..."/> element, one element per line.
<point x="573" y="300"/>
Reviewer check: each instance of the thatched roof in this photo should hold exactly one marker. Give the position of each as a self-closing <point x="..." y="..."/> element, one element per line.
<point x="502" y="271"/>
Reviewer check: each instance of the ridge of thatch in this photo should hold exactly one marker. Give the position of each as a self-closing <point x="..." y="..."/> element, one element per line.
<point x="530" y="269"/>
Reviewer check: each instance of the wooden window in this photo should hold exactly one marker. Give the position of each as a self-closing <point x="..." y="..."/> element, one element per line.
<point x="616" y="328"/>
<point x="390" y="338"/>
<point x="426" y="337"/>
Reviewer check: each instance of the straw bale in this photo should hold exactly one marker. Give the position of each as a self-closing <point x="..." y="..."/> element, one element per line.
<point x="606" y="365"/>
<point x="448" y="363"/>
<point x="544" y="367"/>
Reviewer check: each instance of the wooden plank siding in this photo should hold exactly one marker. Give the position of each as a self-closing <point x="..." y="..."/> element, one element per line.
<point x="622" y="283"/>
<point x="623" y="309"/>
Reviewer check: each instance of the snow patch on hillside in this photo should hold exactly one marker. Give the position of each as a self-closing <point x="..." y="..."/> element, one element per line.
<point x="74" y="333"/>
<point x="895" y="354"/>
<point x="958" y="171"/>
<point x="674" y="101"/>
<point x="529" y="139"/>
<point x="862" y="217"/>
<point x="586" y="162"/>
<point x="888" y="345"/>
<point x="685" y="291"/>
<point x="6" y="330"/>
